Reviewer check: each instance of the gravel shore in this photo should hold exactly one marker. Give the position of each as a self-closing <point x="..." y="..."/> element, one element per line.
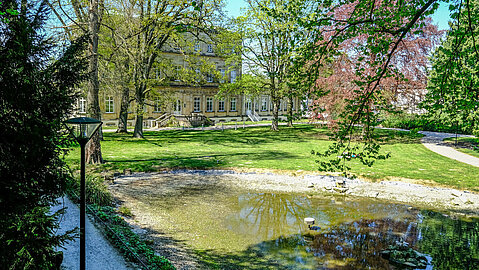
<point x="414" y="194"/>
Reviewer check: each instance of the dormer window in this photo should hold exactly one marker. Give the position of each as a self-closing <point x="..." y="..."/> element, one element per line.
<point x="197" y="46"/>
<point x="210" y="48"/>
<point x="209" y="77"/>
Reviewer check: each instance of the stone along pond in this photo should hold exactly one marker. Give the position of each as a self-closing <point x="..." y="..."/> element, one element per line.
<point x="235" y="227"/>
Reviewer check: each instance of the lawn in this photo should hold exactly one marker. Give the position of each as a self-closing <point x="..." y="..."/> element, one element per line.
<point x="466" y="145"/>
<point x="261" y="148"/>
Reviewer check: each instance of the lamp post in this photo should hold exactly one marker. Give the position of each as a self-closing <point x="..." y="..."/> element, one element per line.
<point x="82" y="128"/>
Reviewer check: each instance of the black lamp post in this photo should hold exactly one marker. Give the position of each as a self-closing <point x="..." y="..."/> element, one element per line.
<point x="82" y="128"/>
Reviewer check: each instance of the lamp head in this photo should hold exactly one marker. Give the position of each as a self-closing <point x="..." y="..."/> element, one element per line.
<point x="83" y="128"/>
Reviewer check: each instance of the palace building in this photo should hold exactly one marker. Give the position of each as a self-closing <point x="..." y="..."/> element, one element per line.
<point x="186" y="99"/>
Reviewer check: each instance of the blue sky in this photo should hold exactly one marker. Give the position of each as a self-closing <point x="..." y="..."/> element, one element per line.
<point x="441" y="17"/>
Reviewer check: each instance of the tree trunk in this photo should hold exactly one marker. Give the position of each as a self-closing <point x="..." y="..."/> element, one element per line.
<point x="140" y="104"/>
<point x="123" y="117"/>
<point x="275" y="122"/>
<point x="93" y="149"/>
<point x="290" y="111"/>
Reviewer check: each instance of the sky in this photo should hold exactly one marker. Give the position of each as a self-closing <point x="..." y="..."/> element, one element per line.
<point x="441" y="17"/>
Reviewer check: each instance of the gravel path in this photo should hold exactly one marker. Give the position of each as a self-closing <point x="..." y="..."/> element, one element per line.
<point x="99" y="253"/>
<point x="434" y="142"/>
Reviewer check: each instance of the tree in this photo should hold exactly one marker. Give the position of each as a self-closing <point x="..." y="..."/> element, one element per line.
<point x="408" y="70"/>
<point x="79" y="18"/>
<point x="383" y="26"/>
<point x="152" y="25"/>
<point x="453" y="89"/>
<point x="36" y="94"/>
<point x="270" y="36"/>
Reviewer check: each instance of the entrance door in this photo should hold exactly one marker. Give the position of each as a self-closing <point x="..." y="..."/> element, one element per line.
<point x="177" y="109"/>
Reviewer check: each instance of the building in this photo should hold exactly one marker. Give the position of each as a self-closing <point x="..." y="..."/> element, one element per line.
<point x="192" y="96"/>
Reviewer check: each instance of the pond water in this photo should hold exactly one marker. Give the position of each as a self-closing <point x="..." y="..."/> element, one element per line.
<point x="239" y="229"/>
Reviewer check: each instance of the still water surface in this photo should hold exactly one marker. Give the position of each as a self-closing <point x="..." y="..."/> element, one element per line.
<point x="243" y="230"/>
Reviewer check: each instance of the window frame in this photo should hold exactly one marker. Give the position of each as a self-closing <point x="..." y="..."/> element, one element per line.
<point x="233" y="108"/>
<point x="233" y="76"/>
<point x="209" y="103"/>
<point x="157" y="107"/>
<point x="197" y="101"/>
<point x="221" y="103"/>
<point x="109" y="104"/>
<point x="81" y="105"/>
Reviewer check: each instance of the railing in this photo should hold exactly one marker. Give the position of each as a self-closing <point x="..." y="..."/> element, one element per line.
<point x="163" y="120"/>
<point x="252" y="115"/>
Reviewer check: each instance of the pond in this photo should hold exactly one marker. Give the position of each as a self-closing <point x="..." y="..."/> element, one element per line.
<point x="231" y="228"/>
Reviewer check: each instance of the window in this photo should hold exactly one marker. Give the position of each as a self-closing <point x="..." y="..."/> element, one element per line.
<point x="178" y="106"/>
<point x="233" y="76"/>
<point x="249" y="104"/>
<point x="198" y="75"/>
<point x="209" y="104"/>
<point x="209" y="77"/>
<point x="82" y="105"/>
<point x="197" y="104"/>
<point x="264" y="104"/>
<point x="177" y="73"/>
<point x="157" y="107"/>
<point x="109" y="105"/>
<point x="285" y="105"/>
<point x="221" y="105"/>
<point x="222" y="79"/>
<point x="197" y="46"/>
<point x="280" y="105"/>
<point x="210" y="48"/>
<point x="233" y="104"/>
<point x="292" y="105"/>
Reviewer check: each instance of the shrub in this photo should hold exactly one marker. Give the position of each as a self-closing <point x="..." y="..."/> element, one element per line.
<point x="421" y="122"/>
<point x="96" y="190"/>
<point x="130" y="245"/>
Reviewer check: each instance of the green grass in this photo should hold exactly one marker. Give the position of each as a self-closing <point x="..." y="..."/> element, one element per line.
<point x="288" y="149"/>
<point x="471" y="144"/>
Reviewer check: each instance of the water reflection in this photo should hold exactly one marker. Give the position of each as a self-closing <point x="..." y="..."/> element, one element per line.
<point x="353" y="233"/>
<point x="269" y="215"/>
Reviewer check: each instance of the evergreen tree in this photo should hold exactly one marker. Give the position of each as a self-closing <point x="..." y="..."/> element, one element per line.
<point x="36" y="93"/>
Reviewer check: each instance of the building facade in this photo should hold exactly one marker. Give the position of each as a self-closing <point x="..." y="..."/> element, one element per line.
<point x="197" y="94"/>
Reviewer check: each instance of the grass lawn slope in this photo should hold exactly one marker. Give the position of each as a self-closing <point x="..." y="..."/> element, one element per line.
<point x="289" y="149"/>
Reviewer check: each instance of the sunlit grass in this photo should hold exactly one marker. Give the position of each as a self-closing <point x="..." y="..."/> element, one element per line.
<point x="289" y="149"/>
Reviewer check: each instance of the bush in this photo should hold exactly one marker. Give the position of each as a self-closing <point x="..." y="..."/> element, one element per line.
<point x="96" y="190"/>
<point x="130" y="245"/>
<point x="421" y="122"/>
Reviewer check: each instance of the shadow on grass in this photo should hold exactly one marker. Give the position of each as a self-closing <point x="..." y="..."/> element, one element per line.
<point x="194" y="162"/>
<point x="244" y="137"/>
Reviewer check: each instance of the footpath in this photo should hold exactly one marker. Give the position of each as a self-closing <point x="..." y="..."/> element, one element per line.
<point x="434" y="142"/>
<point x="100" y="254"/>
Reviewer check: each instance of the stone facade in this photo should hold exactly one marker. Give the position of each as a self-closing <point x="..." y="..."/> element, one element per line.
<point x="190" y="97"/>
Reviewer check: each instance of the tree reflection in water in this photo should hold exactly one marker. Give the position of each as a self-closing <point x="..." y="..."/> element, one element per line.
<point x="449" y="243"/>
<point x="269" y="215"/>
<point x="357" y="245"/>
